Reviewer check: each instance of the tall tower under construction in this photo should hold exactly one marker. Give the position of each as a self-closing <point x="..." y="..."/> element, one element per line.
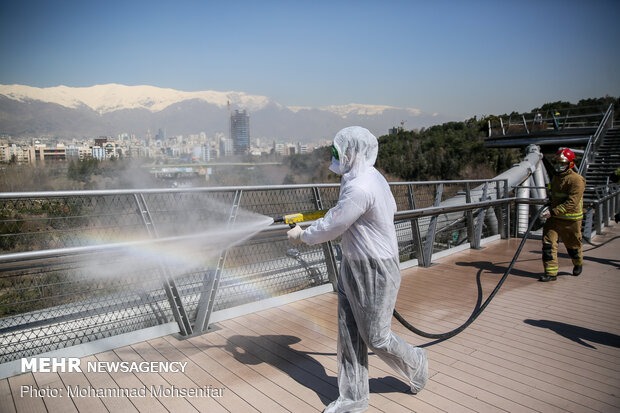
<point x="240" y="132"/>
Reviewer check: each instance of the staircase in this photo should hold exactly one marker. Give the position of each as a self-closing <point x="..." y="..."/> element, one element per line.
<point x="606" y="161"/>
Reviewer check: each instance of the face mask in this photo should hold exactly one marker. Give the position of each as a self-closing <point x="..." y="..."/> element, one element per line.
<point x="335" y="166"/>
<point x="560" y="167"/>
<point x="335" y="153"/>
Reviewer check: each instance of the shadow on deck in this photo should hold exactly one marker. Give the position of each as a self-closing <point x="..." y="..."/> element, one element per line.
<point x="538" y="347"/>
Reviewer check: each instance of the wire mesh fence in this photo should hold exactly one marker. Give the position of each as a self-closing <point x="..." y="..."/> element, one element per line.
<point x="80" y="266"/>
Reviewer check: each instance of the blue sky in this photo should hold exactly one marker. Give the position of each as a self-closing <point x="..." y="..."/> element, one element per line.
<point x="458" y="58"/>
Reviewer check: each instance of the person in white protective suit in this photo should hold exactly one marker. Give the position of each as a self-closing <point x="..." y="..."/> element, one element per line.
<point x="369" y="272"/>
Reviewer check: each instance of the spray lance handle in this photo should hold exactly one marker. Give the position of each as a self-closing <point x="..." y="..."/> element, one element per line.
<point x="293" y="219"/>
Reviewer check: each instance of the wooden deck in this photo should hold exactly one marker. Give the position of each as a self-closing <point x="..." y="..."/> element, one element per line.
<point x="538" y="347"/>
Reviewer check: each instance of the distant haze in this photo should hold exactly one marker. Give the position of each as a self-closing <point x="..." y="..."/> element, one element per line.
<point x="108" y="110"/>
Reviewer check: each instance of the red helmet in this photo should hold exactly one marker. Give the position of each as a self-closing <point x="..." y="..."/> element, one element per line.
<point x="565" y="156"/>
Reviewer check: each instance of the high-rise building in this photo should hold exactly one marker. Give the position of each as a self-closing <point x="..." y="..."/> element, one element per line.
<point x="226" y="147"/>
<point x="240" y="132"/>
<point x="161" y="135"/>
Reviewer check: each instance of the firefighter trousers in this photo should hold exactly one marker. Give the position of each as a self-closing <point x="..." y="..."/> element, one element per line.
<point x="569" y="231"/>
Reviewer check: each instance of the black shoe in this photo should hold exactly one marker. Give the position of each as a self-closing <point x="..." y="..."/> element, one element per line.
<point x="577" y="270"/>
<point x="545" y="278"/>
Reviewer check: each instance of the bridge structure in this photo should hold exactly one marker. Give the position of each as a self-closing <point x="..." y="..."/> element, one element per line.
<point x="199" y="275"/>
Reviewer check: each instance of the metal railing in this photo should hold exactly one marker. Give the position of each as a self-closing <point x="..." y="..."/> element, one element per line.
<point x="595" y="140"/>
<point x="551" y="120"/>
<point x="597" y="212"/>
<point x="77" y="266"/>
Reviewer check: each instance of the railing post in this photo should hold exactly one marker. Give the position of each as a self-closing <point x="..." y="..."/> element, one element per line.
<point x="170" y="287"/>
<point x="587" y="223"/>
<point x="211" y="282"/>
<point x="599" y="214"/>
<point x="469" y="216"/>
<point x="606" y="207"/>
<point x="480" y="222"/>
<point x="498" y="195"/>
<point x="415" y="230"/>
<point x="432" y="226"/>
<point x="525" y="125"/>
<point x="507" y="209"/>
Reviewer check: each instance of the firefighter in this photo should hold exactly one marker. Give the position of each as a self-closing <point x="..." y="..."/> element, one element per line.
<point x="564" y="216"/>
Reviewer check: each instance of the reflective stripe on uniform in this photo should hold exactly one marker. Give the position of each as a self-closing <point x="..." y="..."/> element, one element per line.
<point x="574" y="216"/>
<point x="571" y="217"/>
<point x="551" y="270"/>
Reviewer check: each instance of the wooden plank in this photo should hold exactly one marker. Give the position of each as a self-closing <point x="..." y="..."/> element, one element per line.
<point x="25" y="402"/>
<point x="541" y="381"/>
<point x="54" y="404"/>
<point x="552" y="374"/>
<point x="155" y="380"/>
<point x="240" y="393"/>
<point x="480" y="392"/>
<point x="6" y="398"/>
<point x="77" y="380"/>
<point x="499" y="378"/>
<point x="320" y="351"/>
<point x="228" y="361"/>
<point x="103" y="380"/>
<point x="307" y="374"/>
<point x="252" y="356"/>
<point x="193" y="377"/>
<point x="129" y="381"/>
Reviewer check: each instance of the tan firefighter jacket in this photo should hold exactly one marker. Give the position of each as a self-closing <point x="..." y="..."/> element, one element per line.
<point x="566" y="191"/>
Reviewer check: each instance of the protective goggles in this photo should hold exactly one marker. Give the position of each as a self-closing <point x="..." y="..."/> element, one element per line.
<point x="335" y="152"/>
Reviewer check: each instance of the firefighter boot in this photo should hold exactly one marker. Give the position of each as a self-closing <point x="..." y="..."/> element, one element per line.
<point x="576" y="256"/>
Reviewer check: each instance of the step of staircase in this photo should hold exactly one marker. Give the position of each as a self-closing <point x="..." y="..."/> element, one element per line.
<point x="606" y="161"/>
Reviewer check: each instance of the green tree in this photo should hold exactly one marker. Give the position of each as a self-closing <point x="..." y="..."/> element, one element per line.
<point x="448" y="151"/>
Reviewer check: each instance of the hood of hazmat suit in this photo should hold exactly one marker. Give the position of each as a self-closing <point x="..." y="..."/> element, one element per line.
<point x="369" y="276"/>
<point x="364" y="214"/>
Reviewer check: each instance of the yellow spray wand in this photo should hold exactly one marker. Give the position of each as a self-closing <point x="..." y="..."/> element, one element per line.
<point x="293" y="219"/>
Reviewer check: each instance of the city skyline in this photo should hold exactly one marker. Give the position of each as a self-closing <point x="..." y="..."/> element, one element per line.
<point x="458" y="59"/>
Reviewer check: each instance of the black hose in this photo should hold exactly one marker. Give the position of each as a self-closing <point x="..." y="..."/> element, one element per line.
<point x="477" y="310"/>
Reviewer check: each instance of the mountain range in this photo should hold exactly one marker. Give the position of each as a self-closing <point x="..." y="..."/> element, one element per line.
<point x="112" y="109"/>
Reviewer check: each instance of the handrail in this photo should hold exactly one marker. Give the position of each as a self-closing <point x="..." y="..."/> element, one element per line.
<point x="595" y="140"/>
<point x="430" y="211"/>
<point x="536" y="118"/>
<point x="101" y="192"/>
<point x="615" y="191"/>
<point x="14" y="258"/>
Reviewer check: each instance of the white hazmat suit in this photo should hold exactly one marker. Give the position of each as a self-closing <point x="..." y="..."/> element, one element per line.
<point x="369" y="273"/>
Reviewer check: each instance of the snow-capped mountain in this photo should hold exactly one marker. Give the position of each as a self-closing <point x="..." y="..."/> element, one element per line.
<point x="112" y="109"/>
<point x="112" y="97"/>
